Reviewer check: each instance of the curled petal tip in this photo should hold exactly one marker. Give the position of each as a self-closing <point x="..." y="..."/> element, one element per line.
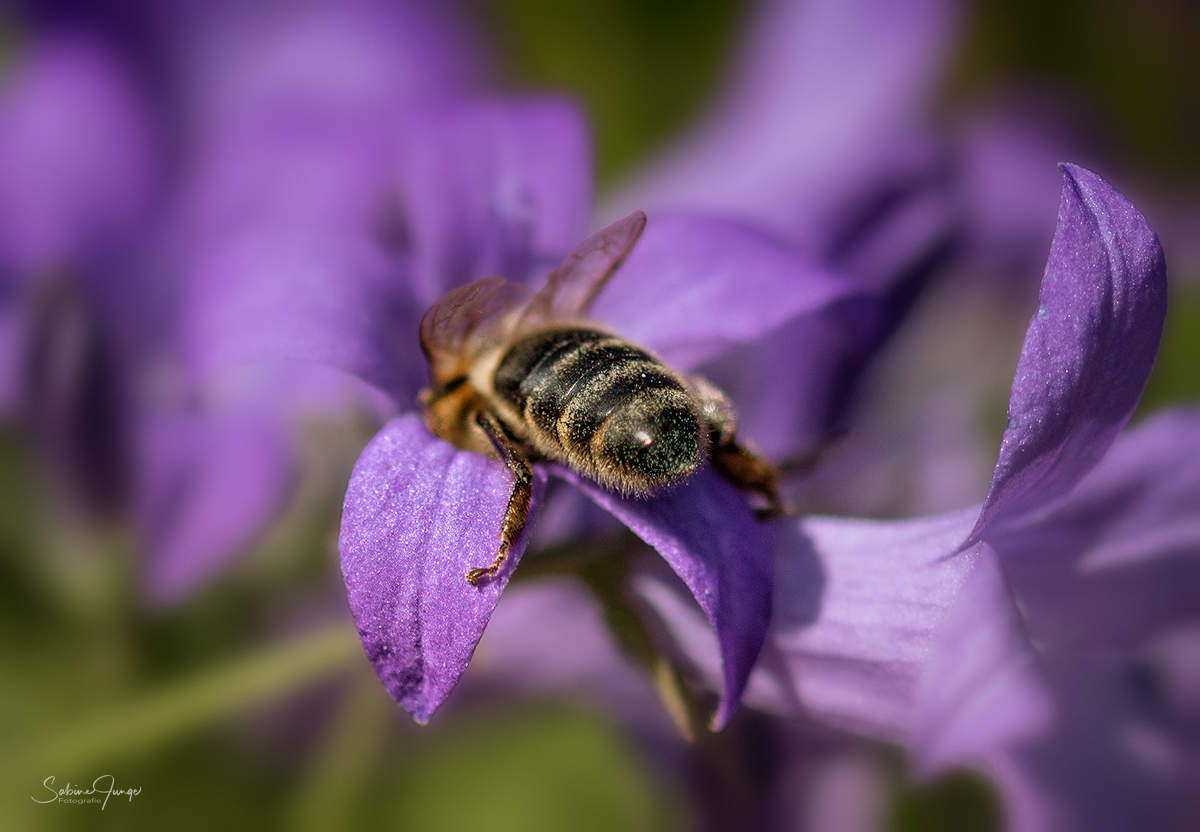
<point x="1088" y="351"/>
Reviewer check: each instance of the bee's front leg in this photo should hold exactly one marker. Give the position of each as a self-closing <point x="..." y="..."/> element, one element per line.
<point x="517" y="513"/>
<point x="733" y="461"/>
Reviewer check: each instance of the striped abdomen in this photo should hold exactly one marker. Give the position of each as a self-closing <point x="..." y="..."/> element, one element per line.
<point x="604" y="406"/>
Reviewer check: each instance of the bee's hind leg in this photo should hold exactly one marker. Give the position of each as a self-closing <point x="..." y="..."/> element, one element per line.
<point x="749" y="472"/>
<point x="517" y="513"/>
<point x="733" y="461"/>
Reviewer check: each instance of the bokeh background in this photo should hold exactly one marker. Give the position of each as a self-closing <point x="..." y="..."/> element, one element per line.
<point x="250" y="705"/>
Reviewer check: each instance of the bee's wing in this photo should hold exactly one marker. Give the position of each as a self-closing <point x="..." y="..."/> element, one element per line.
<point x="466" y="321"/>
<point x="572" y="287"/>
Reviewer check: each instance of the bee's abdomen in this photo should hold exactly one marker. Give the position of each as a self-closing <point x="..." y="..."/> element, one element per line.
<point x="604" y="405"/>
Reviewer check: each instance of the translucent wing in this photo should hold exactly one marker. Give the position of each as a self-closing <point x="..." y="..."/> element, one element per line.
<point x="466" y="321"/>
<point x="572" y="287"/>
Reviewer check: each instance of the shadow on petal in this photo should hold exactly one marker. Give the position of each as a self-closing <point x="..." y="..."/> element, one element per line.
<point x="706" y="531"/>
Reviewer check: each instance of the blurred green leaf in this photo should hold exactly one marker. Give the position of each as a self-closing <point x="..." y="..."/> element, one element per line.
<point x="1175" y="378"/>
<point x="1133" y="65"/>
<point x="958" y="801"/>
<point x="156" y="718"/>
<point x="527" y="772"/>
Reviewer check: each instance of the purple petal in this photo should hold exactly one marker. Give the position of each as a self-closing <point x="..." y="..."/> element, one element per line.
<point x="76" y="154"/>
<point x="298" y="110"/>
<point x="705" y="530"/>
<point x="357" y="60"/>
<point x="858" y="608"/>
<point x="824" y="102"/>
<point x="210" y="485"/>
<point x="418" y="515"/>
<point x="695" y="285"/>
<point x="894" y="230"/>
<point x="493" y="188"/>
<point x="820" y="355"/>
<point x="1117" y="562"/>
<point x="292" y="167"/>
<point x="878" y="630"/>
<point x="979" y="689"/>
<point x="293" y="294"/>
<point x="1112" y="763"/>
<point x="1087" y="353"/>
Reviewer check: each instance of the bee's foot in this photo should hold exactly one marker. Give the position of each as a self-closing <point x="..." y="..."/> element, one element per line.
<point x="477" y="576"/>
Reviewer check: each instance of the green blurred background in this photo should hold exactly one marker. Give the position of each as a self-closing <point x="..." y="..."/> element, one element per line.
<point x="224" y="723"/>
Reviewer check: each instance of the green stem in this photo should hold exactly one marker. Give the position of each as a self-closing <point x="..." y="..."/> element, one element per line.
<point x="331" y="798"/>
<point x="157" y="717"/>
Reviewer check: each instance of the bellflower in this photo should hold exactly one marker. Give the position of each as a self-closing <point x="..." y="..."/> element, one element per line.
<point x="882" y="628"/>
<point x="1011" y="635"/>
<point x="337" y="176"/>
<point x="491" y="188"/>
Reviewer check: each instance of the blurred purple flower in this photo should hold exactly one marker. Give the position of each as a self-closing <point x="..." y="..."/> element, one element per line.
<point x="113" y="262"/>
<point x="78" y="169"/>
<point x="294" y="115"/>
<point x="76" y="156"/>
<point x="1006" y="158"/>
<point x="820" y="137"/>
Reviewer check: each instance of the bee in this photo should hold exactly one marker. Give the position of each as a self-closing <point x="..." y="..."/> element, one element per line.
<point x="522" y="376"/>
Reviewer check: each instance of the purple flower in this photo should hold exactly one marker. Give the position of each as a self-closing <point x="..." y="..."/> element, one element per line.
<point x="76" y="157"/>
<point x="337" y="177"/>
<point x="1011" y="635"/>
<point x="420" y="514"/>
